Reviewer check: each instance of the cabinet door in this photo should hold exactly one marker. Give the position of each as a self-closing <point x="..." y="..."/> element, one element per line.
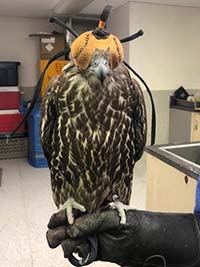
<point x="195" y="127"/>
<point x="180" y="126"/>
<point x="168" y="189"/>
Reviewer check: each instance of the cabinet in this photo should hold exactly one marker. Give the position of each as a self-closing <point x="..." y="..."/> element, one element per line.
<point x="195" y="126"/>
<point x="184" y="126"/>
<point x="168" y="189"/>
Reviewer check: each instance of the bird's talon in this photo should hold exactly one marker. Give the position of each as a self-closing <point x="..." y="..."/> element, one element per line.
<point x="69" y="205"/>
<point x="120" y="207"/>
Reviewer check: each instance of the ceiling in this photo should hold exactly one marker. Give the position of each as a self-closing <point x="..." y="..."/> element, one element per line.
<point x="26" y="8"/>
<point x="38" y="8"/>
<point x="97" y="5"/>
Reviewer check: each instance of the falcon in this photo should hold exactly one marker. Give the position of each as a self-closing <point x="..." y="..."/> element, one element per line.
<point x="93" y="131"/>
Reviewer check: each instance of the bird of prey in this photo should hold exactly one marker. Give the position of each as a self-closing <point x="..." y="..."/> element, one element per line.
<point x="93" y="130"/>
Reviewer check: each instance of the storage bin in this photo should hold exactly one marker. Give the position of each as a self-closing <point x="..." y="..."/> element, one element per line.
<point x="35" y="152"/>
<point x="9" y="120"/>
<point x="9" y="97"/>
<point x="37" y="161"/>
<point x="13" y="148"/>
<point x="9" y="73"/>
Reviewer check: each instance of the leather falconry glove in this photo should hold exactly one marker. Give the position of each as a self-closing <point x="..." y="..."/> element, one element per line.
<point x="147" y="238"/>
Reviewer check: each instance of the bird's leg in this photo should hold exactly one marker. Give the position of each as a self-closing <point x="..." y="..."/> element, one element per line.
<point x="69" y="205"/>
<point x="120" y="207"/>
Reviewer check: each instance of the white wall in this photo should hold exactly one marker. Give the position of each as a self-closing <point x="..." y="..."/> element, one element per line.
<point x="168" y="55"/>
<point x="16" y="45"/>
<point x="119" y="25"/>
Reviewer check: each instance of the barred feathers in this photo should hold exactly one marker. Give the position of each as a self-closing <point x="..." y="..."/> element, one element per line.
<point x="92" y="135"/>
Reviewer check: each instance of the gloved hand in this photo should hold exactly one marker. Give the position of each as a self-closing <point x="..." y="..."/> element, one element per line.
<point x="111" y="235"/>
<point x="147" y="238"/>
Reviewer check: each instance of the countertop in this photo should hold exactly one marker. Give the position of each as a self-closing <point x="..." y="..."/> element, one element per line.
<point x="186" y="167"/>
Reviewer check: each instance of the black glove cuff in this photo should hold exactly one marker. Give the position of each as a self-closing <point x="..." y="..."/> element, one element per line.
<point x="156" y="239"/>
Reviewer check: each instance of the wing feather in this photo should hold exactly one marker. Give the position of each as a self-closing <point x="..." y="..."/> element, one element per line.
<point x="139" y="121"/>
<point x="48" y="115"/>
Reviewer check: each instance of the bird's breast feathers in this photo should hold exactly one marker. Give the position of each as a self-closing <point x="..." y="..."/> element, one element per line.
<point x="92" y="138"/>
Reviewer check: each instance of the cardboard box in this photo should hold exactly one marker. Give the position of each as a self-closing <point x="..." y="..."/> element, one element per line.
<point x="9" y="97"/>
<point x="54" y="69"/>
<point x="50" y="45"/>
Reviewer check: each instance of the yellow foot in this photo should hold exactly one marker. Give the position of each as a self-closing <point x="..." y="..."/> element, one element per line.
<point x="120" y="207"/>
<point x="69" y="205"/>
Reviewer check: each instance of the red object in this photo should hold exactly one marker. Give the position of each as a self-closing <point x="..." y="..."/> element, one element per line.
<point x="9" y="97"/>
<point x="9" y="119"/>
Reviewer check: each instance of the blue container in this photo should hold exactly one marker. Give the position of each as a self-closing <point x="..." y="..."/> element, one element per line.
<point x="197" y="203"/>
<point x="35" y="152"/>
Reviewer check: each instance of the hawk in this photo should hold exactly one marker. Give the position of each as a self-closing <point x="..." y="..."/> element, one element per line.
<point x="93" y="131"/>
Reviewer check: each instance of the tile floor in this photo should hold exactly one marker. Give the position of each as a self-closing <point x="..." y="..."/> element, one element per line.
<point x="26" y="206"/>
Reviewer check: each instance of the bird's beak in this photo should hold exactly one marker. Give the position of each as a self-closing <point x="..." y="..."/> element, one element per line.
<point x="102" y="71"/>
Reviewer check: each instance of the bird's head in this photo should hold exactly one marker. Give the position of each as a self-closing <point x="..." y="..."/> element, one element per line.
<point x="100" y="63"/>
<point x="86" y="48"/>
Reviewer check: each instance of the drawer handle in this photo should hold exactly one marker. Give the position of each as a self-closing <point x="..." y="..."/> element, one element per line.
<point x="196" y="125"/>
<point x="186" y="179"/>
